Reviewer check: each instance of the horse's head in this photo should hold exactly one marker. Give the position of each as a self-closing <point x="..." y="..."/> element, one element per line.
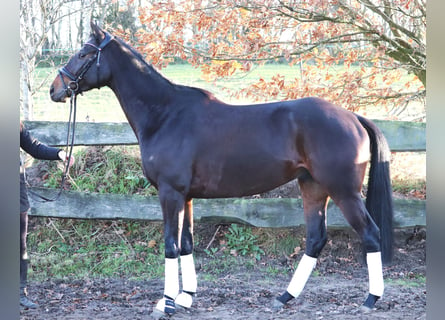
<point x="86" y="69"/>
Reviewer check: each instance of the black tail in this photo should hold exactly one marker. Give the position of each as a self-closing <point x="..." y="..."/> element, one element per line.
<point x="379" y="197"/>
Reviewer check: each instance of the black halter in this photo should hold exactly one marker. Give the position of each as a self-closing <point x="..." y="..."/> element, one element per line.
<point x="73" y="86"/>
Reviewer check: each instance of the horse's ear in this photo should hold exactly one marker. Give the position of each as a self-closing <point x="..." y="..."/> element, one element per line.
<point x="96" y="31"/>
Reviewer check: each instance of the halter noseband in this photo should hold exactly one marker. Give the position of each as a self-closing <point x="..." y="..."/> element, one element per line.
<point x="73" y="85"/>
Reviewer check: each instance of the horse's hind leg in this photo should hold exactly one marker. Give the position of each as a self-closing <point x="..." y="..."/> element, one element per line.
<point x="358" y="217"/>
<point x="314" y="202"/>
<point x="189" y="282"/>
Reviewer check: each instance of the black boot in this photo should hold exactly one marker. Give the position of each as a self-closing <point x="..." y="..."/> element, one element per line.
<point x="24" y="301"/>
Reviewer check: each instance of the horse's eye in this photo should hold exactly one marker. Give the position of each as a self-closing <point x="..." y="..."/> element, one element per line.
<point x="82" y="54"/>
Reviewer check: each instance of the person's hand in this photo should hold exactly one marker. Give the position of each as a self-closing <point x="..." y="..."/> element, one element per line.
<point x="63" y="156"/>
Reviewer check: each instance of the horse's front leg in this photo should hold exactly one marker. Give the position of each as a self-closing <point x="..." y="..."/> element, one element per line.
<point x="189" y="282"/>
<point x="172" y="204"/>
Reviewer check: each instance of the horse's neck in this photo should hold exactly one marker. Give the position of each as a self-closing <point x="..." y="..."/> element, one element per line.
<point x="142" y="92"/>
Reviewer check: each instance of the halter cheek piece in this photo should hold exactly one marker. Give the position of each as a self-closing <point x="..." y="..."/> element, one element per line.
<point x="73" y="85"/>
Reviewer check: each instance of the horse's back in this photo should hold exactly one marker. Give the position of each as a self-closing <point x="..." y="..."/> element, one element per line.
<point x="314" y="124"/>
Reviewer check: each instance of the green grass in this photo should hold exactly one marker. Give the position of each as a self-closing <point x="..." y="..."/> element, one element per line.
<point x="416" y="281"/>
<point x="409" y="186"/>
<point x="240" y="240"/>
<point x="408" y="173"/>
<point x="75" y="249"/>
<point x="87" y="248"/>
<point x="95" y="105"/>
<point x="104" y="170"/>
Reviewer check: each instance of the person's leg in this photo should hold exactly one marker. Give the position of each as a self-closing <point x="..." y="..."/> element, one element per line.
<point x="24" y="301"/>
<point x="24" y="259"/>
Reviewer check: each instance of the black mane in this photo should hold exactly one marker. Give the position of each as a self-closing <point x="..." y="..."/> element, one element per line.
<point x="151" y="70"/>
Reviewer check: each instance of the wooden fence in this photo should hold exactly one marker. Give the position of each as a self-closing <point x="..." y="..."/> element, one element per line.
<point x="279" y="212"/>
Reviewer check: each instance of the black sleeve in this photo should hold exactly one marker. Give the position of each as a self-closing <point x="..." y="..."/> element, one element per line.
<point x="35" y="148"/>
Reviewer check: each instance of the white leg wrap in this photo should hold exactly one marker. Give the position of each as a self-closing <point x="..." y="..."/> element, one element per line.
<point x="171" y="288"/>
<point x="189" y="282"/>
<point x="166" y="306"/>
<point x="301" y="275"/>
<point x="184" y="300"/>
<point x="375" y="272"/>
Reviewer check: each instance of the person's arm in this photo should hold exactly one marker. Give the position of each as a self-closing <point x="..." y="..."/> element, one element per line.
<point x="37" y="149"/>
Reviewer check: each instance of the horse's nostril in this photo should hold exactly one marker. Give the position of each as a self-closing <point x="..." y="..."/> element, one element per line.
<point x="51" y="90"/>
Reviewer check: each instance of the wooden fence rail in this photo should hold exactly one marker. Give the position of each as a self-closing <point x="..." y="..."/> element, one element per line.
<point x="263" y="212"/>
<point x="279" y="212"/>
<point x="401" y="135"/>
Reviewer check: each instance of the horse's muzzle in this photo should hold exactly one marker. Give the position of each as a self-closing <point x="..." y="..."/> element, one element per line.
<point x="57" y="95"/>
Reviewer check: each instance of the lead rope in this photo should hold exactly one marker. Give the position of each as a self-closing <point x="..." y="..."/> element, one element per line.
<point x="69" y="146"/>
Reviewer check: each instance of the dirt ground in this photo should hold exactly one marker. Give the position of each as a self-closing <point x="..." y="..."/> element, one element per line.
<point x="335" y="291"/>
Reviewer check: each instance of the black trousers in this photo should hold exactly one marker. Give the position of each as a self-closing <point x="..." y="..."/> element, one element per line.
<point x="24" y="207"/>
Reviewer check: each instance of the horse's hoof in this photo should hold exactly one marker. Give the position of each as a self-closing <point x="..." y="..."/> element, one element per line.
<point x="164" y="308"/>
<point x="369" y="304"/>
<point x="277" y="305"/>
<point x="366" y="309"/>
<point x="184" y="300"/>
<point x="158" y="314"/>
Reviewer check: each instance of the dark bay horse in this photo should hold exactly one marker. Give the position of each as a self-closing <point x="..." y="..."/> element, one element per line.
<point x="195" y="146"/>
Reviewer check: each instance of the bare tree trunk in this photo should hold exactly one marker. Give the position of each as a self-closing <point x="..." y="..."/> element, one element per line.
<point x="26" y="58"/>
<point x="26" y="102"/>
